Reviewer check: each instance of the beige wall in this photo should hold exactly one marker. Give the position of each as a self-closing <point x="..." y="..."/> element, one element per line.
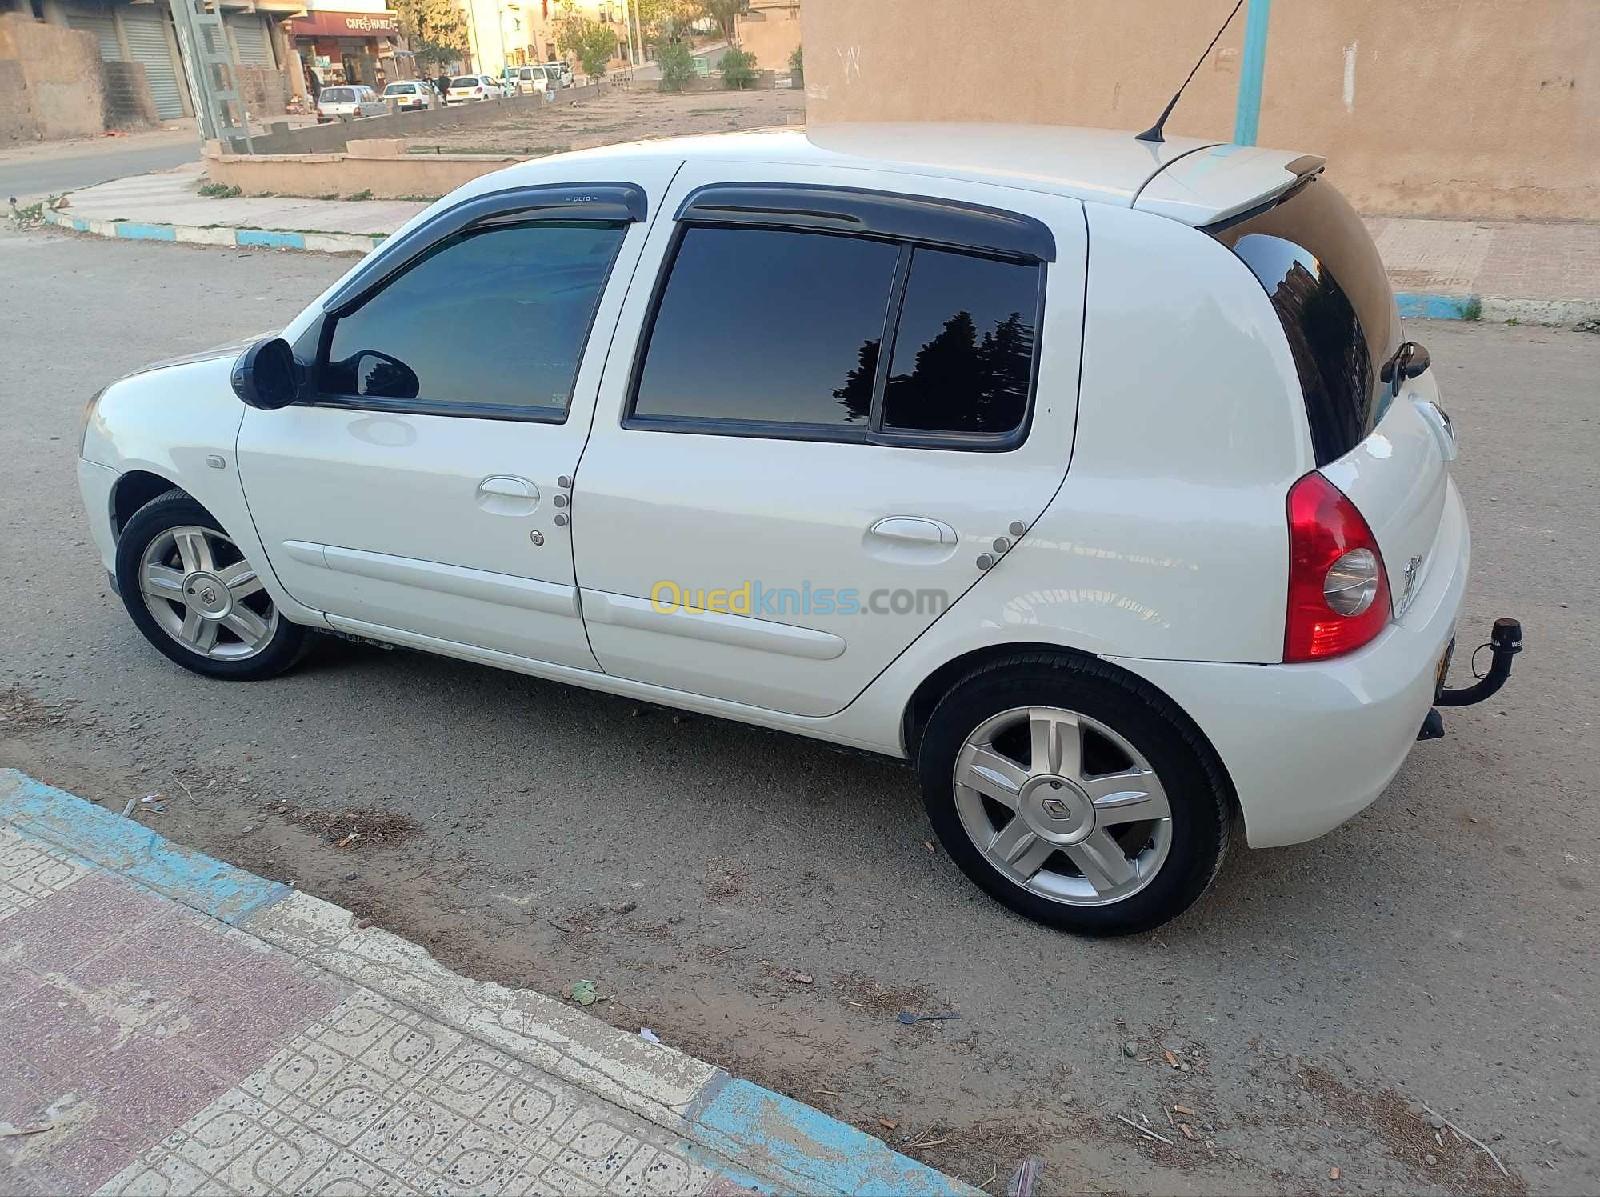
<point x="50" y="84"/>
<point x="772" y="35"/>
<point x="379" y="168"/>
<point x="1477" y="108"/>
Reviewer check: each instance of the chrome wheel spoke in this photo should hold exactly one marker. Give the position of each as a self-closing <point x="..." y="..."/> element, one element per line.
<point x="1023" y="852"/>
<point x="157" y="581"/>
<point x="1056" y="740"/>
<point x="1104" y="864"/>
<point x="241" y="580"/>
<point x="1128" y="797"/>
<point x="193" y="549"/>
<point x="248" y="626"/>
<point x="991" y="774"/>
<point x="198" y="633"/>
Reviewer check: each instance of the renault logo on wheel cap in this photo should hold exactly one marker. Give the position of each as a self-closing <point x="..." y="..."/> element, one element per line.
<point x="1054" y="807"/>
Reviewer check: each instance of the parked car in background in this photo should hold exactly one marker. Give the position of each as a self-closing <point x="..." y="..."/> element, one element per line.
<point x="527" y="80"/>
<point x="412" y="94"/>
<point x="1094" y="478"/>
<point x="559" y="71"/>
<point x="347" y="101"/>
<point x="464" y="88"/>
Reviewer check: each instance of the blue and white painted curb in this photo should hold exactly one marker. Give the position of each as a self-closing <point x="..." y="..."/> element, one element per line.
<point x="218" y="235"/>
<point x="752" y="1136"/>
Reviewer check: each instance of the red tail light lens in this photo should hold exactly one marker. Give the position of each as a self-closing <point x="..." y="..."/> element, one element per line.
<point x="1338" y="587"/>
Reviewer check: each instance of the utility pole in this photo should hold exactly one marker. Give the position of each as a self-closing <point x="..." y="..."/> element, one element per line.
<point x="213" y="86"/>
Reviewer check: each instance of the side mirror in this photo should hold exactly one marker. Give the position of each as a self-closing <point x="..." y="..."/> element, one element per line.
<point x="266" y="376"/>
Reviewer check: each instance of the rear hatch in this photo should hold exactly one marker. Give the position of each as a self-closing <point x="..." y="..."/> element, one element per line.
<point x="1386" y="447"/>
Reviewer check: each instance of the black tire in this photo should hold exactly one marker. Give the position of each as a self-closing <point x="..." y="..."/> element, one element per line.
<point x="174" y="509"/>
<point x="1198" y="794"/>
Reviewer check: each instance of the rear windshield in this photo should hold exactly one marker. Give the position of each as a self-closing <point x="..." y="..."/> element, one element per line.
<point x="338" y="95"/>
<point x="1319" y="267"/>
<point x="400" y="89"/>
<point x="466" y="81"/>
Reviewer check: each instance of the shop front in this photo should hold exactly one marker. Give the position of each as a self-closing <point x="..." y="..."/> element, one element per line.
<point x="351" y="47"/>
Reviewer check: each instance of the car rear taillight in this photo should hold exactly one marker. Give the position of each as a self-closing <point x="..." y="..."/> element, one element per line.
<point x="1338" y="588"/>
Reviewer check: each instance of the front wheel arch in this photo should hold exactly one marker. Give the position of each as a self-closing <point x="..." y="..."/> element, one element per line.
<point x="131" y="492"/>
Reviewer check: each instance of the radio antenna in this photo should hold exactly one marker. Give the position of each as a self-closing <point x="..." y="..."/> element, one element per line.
<point x="1153" y="133"/>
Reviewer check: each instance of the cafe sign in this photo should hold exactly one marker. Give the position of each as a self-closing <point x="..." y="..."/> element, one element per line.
<point x="346" y="24"/>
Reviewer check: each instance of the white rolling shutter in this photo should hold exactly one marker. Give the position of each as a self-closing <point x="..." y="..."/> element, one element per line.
<point x="146" y="28"/>
<point x="99" y="22"/>
<point x="251" y="38"/>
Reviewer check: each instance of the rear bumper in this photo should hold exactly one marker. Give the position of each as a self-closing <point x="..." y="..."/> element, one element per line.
<point x="1308" y="746"/>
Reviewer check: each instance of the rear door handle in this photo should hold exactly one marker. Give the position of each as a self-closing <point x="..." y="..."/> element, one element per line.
<point x="507" y="494"/>
<point x="913" y="530"/>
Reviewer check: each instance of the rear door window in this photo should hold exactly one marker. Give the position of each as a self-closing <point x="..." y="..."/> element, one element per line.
<point x="1318" y="265"/>
<point x="767" y="329"/>
<point x="784" y="332"/>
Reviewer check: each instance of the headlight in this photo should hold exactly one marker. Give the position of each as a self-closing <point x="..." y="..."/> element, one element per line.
<point x="88" y="414"/>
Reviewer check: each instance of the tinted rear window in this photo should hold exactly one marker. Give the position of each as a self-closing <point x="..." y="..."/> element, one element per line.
<point x="338" y="95"/>
<point x="1319" y="267"/>
<point x="466" y="81"/>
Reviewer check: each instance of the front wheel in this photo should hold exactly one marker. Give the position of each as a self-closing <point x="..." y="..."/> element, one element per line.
<point x="190" y="591"/>
<point x="1069" y="792"/>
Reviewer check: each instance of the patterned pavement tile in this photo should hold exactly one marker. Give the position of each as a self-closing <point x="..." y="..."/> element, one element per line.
<point x="29" y="872"/>
<point x="376" y="1098"/>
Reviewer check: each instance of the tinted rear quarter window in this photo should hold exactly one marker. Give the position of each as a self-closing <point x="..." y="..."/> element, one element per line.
<point x="1319" y="267"/>
<point x="963" y="353"/>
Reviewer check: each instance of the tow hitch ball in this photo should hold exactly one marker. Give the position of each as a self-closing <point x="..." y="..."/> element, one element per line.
<point x="1505" y="642"/>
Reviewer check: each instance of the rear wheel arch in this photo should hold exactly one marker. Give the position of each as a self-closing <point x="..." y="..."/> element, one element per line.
<point x="920" y="707"/>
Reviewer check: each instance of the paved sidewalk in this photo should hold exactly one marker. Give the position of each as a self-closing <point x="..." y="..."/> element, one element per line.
<point x="1445" y="269"/>
<point x="172" y="1024"/>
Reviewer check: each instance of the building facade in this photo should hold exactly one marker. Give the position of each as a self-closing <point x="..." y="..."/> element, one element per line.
<point x="349" y="41"/>
<point x="769" y="29"/>
<point x="1451" y="108"/>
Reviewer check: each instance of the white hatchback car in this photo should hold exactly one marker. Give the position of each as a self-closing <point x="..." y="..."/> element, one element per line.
<point x="409" y="95"/>
<point x="1090" y="476"/>
<point x="473" y="87"/>
<point x="348" y="101"/>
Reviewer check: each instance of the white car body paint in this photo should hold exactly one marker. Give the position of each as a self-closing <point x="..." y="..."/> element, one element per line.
<point x="1167" y="431"/>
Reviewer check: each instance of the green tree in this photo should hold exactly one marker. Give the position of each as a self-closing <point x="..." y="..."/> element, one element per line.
<point x="663" y="22"/>
<point x="589" y="41"/>
<point x="797" y="67"/>
<point x="738" y="69"/>
<point x="435" y="29"/>
<point x="723" y="12"/>
<point x="677" y="65"/>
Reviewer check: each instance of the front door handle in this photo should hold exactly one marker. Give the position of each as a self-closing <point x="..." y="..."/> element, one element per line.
<point x="914" y="530"/>
<point x="507" y="494"/>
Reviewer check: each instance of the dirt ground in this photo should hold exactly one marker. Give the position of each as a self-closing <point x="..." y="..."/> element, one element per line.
<point x="619" y="116"/>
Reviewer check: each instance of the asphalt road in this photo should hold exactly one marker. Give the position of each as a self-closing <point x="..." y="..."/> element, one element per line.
<point x="32" y="174"/>
<point x="770" y="904"/>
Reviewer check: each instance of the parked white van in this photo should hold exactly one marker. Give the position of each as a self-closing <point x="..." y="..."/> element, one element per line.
<point x="1093" y="477"/>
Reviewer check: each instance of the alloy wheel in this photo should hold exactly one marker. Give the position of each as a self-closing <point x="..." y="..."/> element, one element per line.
<point x="205" y="595"/>
<point x="1062" y="806"/>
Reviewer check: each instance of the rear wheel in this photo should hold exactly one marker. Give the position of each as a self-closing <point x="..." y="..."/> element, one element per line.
<point x="1069" y="792"/>
<point x="190" y="591"/>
